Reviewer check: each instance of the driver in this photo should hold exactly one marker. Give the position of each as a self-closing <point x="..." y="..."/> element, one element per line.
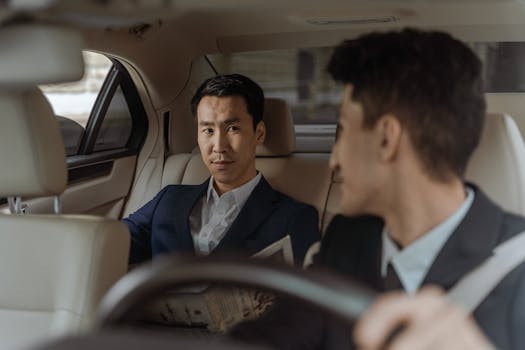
<point x="411" y="116"/>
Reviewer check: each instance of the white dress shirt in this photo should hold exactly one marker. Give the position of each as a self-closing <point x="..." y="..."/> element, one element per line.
<point x="413" y="262"/>
<point x="213" y="216"/>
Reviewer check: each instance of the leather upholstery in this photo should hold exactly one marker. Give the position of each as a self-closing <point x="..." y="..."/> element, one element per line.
<point x="31" y="147"/>
<point x="498" y="164"/>
<point x="58" y="51"/>
<point x="54" y="268"/>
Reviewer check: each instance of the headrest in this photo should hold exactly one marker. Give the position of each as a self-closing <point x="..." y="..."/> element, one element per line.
<point x="498" y="164"/>
<point x="34" y="54"/>
<point x="280" y="132"/>
<point x="31" y="148"/>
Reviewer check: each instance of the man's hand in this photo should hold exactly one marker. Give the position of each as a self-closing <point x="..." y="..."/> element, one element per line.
<point x="424" y="321"/>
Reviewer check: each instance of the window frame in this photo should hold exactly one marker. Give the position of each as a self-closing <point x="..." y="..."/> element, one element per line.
<point x="117" y="76"/>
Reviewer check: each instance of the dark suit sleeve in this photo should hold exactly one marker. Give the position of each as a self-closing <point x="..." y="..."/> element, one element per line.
<point x="304" y="231"/>
<point x="139" y="225"/>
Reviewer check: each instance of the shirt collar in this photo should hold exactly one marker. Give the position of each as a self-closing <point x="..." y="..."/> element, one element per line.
<point x="240" y="194"/>
<point x="413" y="262"/>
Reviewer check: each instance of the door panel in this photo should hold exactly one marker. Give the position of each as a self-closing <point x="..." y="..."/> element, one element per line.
<point x="102" y="195"/>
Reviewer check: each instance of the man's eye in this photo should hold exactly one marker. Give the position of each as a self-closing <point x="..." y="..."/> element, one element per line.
<point x="208" y="131"/>
<point x="233" y="128"/>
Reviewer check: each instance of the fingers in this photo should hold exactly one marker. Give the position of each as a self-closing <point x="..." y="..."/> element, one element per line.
<point x="392" y="311"/>
<point x="428" y="321"/>
<point x="440" y="330"/>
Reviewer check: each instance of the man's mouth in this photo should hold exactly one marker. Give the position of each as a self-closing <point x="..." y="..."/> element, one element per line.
<point x="221" y="164"/>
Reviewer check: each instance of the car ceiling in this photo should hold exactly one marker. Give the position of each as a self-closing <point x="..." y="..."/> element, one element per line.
<point x="154" y="35"/>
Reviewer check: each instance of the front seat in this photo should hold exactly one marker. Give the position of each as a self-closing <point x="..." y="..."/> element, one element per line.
<point x="54" y="268"/>
<point x="498" y="163"/>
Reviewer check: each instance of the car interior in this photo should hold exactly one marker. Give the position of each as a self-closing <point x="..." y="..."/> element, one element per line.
<point x="68" y="179"/>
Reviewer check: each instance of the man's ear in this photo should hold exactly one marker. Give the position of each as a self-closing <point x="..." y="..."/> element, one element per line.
<point x="260" y="132"/>
<point x="389" y="132"/>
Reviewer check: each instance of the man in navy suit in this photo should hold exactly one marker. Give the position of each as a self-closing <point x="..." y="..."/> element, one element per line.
<point x="235" y="209"/>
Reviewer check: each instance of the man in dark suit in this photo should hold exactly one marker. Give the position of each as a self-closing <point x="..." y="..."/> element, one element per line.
<point x="235" y="210"/>
<point x="411" y="116"/>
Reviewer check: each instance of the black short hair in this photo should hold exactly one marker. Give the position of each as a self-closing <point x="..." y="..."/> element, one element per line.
<point x="233" y="85"/>
<point x="430" y="81"/>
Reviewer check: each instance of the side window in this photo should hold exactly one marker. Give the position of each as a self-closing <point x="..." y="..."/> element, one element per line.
<point x="100" y="115"/>
<point x="117" y="125"/>
<point x="73" y="102"/>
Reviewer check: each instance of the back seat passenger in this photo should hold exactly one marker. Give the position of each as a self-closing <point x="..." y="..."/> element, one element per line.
<point x="305" y="177"/>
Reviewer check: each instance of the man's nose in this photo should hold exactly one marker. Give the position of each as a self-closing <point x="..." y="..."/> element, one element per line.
<point x="220" y="144"/>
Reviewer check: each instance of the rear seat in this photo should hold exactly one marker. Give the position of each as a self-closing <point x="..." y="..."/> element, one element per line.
<point x="303" y="176"/>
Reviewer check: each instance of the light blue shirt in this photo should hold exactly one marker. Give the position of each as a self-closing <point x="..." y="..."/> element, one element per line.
<point x="413" y="262"/>
<point x="213" y="215"/>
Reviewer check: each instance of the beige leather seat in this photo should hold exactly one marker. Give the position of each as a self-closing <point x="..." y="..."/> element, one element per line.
<point x="54" y="269"/>
<point x="303" y="176"/>
<point x="498" y="164"/>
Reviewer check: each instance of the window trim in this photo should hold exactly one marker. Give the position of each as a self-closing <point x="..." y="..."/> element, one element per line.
<point x="117" y="76"/>
<point x="99" y="110"/>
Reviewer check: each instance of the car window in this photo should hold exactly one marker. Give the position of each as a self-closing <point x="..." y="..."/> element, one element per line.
<point x="502" y="65"/>
<point x="116" y="128"/>
<point x="101" y="112"/>
<point x="73" y="102"/>
<point x="297" y="75"/>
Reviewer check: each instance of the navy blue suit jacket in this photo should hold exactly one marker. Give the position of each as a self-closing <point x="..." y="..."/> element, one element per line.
<point x="162" y="225"/>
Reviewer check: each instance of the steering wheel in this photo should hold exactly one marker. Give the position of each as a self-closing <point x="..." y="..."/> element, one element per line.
<point x="122" y="304"/>
<point x="323" y="289"/>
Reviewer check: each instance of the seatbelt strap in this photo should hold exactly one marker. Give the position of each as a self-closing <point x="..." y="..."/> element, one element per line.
<point x="473" y="288"/>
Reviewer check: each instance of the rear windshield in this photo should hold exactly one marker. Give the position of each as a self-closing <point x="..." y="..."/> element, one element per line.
<point x="299" y="76"/>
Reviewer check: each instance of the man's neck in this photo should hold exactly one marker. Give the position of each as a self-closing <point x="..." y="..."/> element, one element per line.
<point x="417" y="211"/>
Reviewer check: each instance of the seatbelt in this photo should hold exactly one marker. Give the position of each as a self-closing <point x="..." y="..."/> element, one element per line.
<point x="473" y="288"/>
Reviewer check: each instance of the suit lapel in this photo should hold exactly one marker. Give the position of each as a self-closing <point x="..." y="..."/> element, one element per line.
<point x="260" y="204"/>
<point x="182" y="218"/>
<point x="371" y="255"/>
<point x="470" y="244"/>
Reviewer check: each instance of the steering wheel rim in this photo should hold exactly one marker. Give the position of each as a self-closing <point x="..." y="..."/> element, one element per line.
<point x="323" y="289"/>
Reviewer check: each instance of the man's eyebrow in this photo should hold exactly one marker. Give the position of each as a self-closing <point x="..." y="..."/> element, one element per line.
<point x="231" y="120"/>
<point x="226" y="122"/>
